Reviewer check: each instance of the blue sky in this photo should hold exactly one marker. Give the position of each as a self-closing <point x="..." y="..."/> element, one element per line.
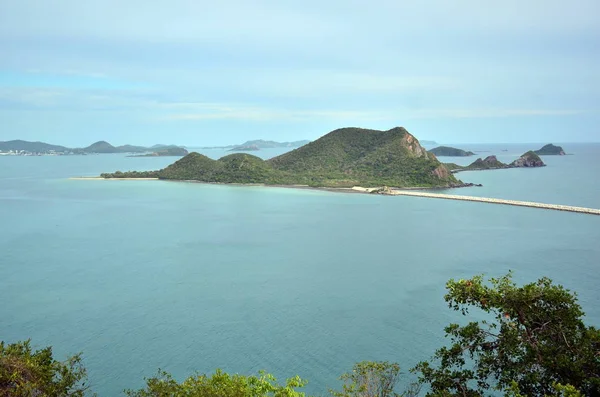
<point x="209" y="73"/>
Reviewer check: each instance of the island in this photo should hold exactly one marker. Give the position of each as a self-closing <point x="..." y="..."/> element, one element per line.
<point x="165" y="152"/>
<point x="550" y="150"/>
<point x="343" y="158"/>
<point x="245" y="148"/>
<point x="528" y="159"/>
<point x="446" y="151"/>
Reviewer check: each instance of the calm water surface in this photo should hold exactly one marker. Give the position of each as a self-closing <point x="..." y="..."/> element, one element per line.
<point x="146" y="274"/>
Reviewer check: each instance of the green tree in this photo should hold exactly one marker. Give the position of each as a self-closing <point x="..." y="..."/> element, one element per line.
<point x="25" y="373"/>
<point x="535" y="342"/>
<point x="220" y="384"/>
<point x="373" y="379"/>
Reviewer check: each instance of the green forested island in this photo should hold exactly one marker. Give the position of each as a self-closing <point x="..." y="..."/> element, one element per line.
<point x="450" y="152"/>
<point x="550" y="150"/>
<point x="343" y="158"/>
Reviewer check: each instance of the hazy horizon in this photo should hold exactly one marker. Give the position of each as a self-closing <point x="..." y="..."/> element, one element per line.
<point x="210" y="74"/>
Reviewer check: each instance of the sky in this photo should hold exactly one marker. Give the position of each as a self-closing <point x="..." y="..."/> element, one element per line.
<point x="200" y="73"/>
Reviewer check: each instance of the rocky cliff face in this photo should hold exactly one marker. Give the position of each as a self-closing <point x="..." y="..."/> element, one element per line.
<point x="529" y="159"/>
<point x="413" y="145"/>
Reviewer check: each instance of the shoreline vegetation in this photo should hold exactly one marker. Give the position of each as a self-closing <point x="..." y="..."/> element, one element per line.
<point x="534" y="342"/>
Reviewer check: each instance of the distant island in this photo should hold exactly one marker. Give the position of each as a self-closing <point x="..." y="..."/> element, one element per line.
<point x="26" y="148"/>
<point x="260" y="144"/>
<point x="528" y="159"/>
<point x="345" y="157"/>
<point x="446" y="151"/>
<point x="550" y="150"/>
<point x="165" y="152"/>
<point x="244" y="148"/>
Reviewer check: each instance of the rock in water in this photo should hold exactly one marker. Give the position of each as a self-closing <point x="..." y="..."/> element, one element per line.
<point x="529" y="159"/>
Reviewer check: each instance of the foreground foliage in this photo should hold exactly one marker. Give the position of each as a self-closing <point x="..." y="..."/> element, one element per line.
<point x="24" y="372"/>
<point x="220" y="384"/>
<point x="373" y="379"/>
<point x="535" y="342"/>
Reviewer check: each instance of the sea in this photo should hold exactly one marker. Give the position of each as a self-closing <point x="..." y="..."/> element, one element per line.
<point x="190" y="277"/>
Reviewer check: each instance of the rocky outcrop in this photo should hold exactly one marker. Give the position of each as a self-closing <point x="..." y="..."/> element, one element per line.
<point x="529" y="159"/>
<point x="489" y="163"/>
<point x="442" y="172"/>
<point x="413" y="145"/>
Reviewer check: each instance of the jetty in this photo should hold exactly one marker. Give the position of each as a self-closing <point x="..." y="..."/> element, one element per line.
<point x="557" y="207"/>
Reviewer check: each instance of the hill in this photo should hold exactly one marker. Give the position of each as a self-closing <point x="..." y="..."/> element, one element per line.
<point x="550" y="150"/>
<point x="234" y="168"/>
<point x="343" y="158"/>
<point x="356" y="156"/>
<point x="34" y="147"/>
<point x="446" y="151"/>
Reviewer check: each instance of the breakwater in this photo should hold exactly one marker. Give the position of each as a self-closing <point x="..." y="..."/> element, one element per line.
<point x="557" y="207"/>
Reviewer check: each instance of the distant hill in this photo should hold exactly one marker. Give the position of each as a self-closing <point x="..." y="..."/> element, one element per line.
<point x="450" y="152"/>
<point x="428" y="143"/>
<point x="244" y="148"/>
<point x="105" y="147"/>
<point x="34" y="147"/>
<point x="550" y="150"/>
<point x="342" y="158"/>
<point x="260" y="144"/>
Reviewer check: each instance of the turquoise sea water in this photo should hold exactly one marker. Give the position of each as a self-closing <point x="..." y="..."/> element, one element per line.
<point x="146" y="274"/>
